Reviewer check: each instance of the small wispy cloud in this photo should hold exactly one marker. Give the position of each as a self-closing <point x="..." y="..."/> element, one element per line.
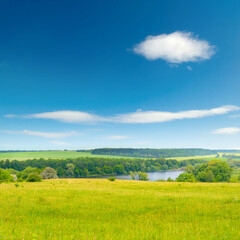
<point x="189" y="68"/>
<point x="228" y="130"/>
<point x="117" y="137"/>
<point x="176" y="47"/>
<point x="45" y="134"/>
<point x="59" y="143"/>
<point x="68" y="116"/>
<point x="10" y="116"/>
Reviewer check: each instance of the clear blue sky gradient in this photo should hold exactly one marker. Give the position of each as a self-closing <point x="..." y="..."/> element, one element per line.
<point x="77" y="55"/>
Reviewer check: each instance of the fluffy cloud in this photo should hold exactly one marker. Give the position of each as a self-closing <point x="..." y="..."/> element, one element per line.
<point x="176" y="47"/>
<point x="68" y="116"/>
<point x="45" y="134"/>
<point x="136" y="117"/>
<point x="229" y="130"/>
<point x="157" y="117"/>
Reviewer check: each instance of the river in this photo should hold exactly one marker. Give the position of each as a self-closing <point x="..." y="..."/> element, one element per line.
<point x="153" y="176"/>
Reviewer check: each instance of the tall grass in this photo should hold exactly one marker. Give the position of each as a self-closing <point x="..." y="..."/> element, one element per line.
<point x="100" y="209"/>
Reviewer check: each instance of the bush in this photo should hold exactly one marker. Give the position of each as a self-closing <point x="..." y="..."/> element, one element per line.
<point x="139" y="176"/>
<point x="34" y="177"/>
<point x="143" y="176"/>
<point x="234" y="179"/>
<point x="170" y="180"/>
<point x="5" y="176"/>
<point x="49" y="173"/>
<point x="186" y="177"/>
<point x="25" y="173"/>
<point x="112" y="179"/>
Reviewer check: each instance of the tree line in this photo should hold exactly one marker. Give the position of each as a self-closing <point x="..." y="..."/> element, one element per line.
<point x="154" y="153"/>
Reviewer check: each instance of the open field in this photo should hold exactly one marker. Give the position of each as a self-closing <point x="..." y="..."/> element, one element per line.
<point x="207" y="157"/>
<point x="99" y="209"/>
<point x="51" y="154"/>
<point x="73" y="154"/>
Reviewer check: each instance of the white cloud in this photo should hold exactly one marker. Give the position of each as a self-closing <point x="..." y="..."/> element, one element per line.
<point x="136" y="117"/>
<point x="117" y="137"/>
<point x="10" y="116"/>
<point x="45" y="134"/>
<point x="157" y="117"/>
<point x="68" y="116"/>
<point x="229" y="130"/>
<point x="59" y="143"/>
<point x="176" y="47"/>
<point x="189" y="68"/>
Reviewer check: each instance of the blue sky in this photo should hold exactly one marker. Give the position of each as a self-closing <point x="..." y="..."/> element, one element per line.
<point x="87" y="74"/>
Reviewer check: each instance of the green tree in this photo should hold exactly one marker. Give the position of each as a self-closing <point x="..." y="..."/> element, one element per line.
<point x="220" y="169"/>
<point x="70" y="169"/>
<point x="206" y="176"/>
<point x="5" y="176"/>
<point x="139" y="176"/>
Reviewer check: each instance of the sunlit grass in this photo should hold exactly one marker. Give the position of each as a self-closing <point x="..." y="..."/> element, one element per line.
<point x="51" y="154"/>
<point x="100" y="209"/>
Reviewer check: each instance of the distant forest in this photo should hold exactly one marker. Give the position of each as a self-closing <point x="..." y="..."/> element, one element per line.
<point x="154" y="153"/>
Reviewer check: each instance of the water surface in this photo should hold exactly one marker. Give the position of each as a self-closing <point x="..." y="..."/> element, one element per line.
<point x="153" y="176"/>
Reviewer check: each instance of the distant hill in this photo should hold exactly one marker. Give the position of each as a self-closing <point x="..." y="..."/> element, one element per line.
<point x="154" y="153"/>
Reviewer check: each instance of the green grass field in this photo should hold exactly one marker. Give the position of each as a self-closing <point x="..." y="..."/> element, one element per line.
<point x="207" y="157"/>
<point x="73" y="154"/>
<point x="88" y="209"/>
<point x="51" y="154"/>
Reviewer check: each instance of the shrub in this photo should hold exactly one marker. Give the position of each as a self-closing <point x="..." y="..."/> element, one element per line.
<point x="5" y="176"/>
<point x="25" y="173"/>
<point x="34" y="177"/>
<point x="49" y="173"/>
<point x="139" y="176"/>
<point x="234" y="179"/>
<point x="112" y="179"/>
<point x="143" y="176"/>
<point x="160" y="180"/>
<point x="20" y="180"/>
<point x="186" y="177"/>
<point x="170" y="180"/>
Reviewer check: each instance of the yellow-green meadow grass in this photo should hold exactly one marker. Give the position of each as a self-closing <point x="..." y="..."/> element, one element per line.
<point x="87" y="209"/>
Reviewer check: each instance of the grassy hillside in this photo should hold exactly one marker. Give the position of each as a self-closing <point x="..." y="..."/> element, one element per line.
<point x="99" y="209"/>
<point x="49" y="154"/>
<point x="74" y="154"/>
